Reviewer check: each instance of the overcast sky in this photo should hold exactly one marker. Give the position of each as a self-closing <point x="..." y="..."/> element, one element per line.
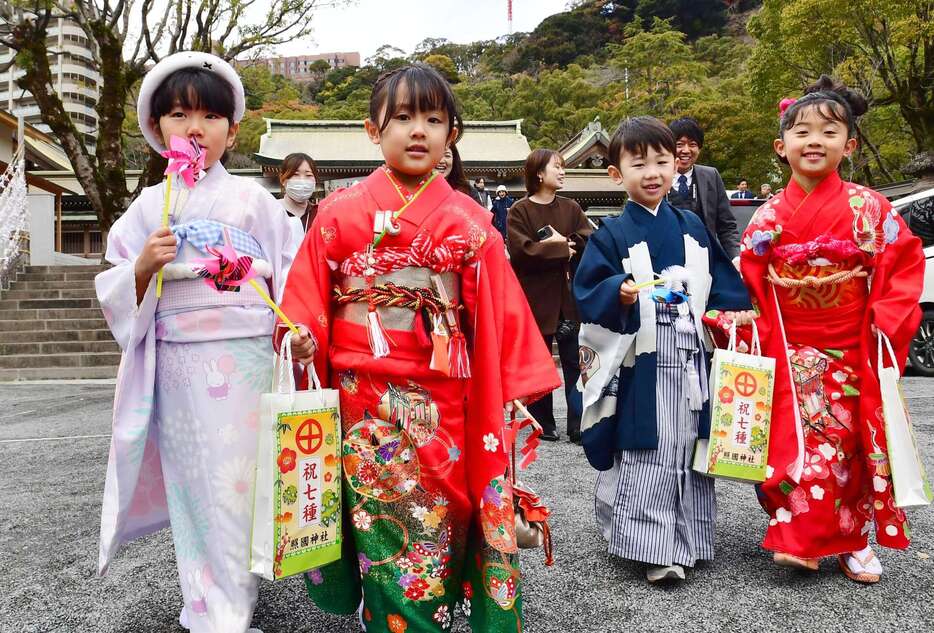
<point x="368" y="24"/>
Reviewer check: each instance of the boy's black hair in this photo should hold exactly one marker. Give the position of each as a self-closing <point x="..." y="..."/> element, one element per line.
<point x="636" y="134"/>
<point x="196" y="89"/>
<point x="833" y="102"/>
<point x="424" y="89"/>
<point x="686" y="126"/>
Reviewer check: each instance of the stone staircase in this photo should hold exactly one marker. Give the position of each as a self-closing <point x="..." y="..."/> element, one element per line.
<point x="51" y="326"/>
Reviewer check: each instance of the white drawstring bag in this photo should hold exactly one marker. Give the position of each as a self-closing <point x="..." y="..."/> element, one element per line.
<point x="297" y="499"/>
<point x="908" y="478"/>
<point x="741" y="387"/>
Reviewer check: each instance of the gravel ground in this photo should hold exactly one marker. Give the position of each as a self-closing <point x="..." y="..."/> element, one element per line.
<point x="50" y="495"/>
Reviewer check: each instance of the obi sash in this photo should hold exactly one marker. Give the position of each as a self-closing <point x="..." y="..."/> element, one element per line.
<point x="186" y="289"/>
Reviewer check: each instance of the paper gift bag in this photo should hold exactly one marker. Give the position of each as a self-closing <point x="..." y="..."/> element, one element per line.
<point x="741" y="388"/>
<point x="297" y="499"/>
<point x="910" y="484"/>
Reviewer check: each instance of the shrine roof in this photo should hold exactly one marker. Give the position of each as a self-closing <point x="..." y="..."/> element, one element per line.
<point x="331" y="143"/>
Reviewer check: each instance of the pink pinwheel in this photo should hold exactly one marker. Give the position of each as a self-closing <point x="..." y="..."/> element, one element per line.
<point x="226" y="271"/>
<point x="186" y="158"/>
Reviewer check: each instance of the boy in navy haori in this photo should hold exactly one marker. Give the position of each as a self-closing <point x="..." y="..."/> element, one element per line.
<point x="644" y="359"/>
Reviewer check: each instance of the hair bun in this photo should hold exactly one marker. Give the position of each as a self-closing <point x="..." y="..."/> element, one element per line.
<point x="856" y="101"/>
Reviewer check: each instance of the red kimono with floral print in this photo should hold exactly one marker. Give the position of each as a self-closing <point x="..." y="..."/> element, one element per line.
<point x="424" y="453"/>
<point x="828" y="476"/>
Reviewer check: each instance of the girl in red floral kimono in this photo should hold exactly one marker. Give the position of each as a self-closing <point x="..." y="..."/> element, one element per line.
<point x="416" y="316"/>
<point x="829" y="264"/>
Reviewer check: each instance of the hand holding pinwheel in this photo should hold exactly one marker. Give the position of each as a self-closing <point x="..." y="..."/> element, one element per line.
<point x="186" y="161"/>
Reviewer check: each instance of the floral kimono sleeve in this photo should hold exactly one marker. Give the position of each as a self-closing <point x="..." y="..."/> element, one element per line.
<point x="116" y="287"/>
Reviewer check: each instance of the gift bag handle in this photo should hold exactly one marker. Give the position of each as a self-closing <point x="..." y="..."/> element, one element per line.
<point x="283" y="379"/>
<point x="882" y="338"/>
<point x="313" y="381"/>
<point x="283" y="376"/>
<point x="756" y="349"/>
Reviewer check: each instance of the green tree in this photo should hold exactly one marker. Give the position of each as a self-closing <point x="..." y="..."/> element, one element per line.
<point x="487" y="100"/>
<point x="554" y="105"/>
<point x="738" y="135"/>
<point x="257" y="85"/>
<point x="124" y="47"/>
<point x="655" y="65"/>
<point x="466" y="57"/>
<point x="723" y="55"/>
<point x="885" y="49"/>
<point x="590" y="25"/>
<point x="262" y="86"/>
<point x="560" y="39"/>
<point x="444" y="65"/>
<point x="355" y="106"/>
<point x="386" y="57"/>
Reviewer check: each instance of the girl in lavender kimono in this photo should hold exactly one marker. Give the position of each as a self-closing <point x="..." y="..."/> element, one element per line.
<point x="196" y="359"/>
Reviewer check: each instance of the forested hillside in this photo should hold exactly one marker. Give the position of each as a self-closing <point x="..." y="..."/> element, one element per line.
<point x="725" y="63"/>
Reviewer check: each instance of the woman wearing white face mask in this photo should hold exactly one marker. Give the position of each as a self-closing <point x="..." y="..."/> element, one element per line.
<point x="298" y="178"/>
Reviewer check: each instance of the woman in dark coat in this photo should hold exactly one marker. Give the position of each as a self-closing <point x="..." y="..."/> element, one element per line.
<point x="545" y="235"/>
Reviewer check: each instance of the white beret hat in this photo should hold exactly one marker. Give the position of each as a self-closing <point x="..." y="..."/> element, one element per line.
<point x="501" y="188"/>
<point x="187" y="59"/>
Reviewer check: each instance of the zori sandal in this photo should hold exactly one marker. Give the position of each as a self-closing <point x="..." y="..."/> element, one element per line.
<point x="858" y="566"/>
<point x="795" y="562"/>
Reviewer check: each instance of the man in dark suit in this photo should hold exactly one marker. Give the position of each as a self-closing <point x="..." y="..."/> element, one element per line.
<point x="700" y="188"/>
<point x="742" y="192"/>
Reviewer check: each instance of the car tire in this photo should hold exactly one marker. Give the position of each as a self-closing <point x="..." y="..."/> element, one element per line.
<point x="921" y="349"/>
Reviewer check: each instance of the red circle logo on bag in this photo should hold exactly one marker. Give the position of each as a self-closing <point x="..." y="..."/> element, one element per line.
<point x="308" y="437"/>
<point x="746" y="384"/>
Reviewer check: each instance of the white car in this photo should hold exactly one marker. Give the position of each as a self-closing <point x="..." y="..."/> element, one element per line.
<point x="918" y="212"/>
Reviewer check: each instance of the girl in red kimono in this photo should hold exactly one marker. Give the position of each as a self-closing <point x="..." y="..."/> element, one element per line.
<point x="416" y="316"/>
<point x="829" y="264"/>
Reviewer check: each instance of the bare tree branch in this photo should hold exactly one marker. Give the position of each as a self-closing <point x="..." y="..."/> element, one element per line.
<point x="865" y="142"/>
<point x="116" y="14"/>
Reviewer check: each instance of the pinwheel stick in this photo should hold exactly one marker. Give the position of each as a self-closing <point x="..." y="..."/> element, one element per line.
<point x="650" y="283"/>
<point x="272" y="304"/>
<point x="165" y="223"/>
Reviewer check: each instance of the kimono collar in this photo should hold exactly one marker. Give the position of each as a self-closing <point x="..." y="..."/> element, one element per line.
<point x="388" y="199"/>
<point x="654" y="211"/>
<point x="640" y="212"/>
<point x="795" y="195"/>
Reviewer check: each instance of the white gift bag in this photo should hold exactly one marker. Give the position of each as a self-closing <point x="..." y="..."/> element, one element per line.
<point x="908" y="477"/>
<point x="741" y="387"/>
<point x="297" y="499"/>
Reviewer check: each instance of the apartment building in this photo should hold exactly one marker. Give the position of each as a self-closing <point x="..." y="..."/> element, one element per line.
<point x="300" y="67"/>
<point x="76" y="80"/>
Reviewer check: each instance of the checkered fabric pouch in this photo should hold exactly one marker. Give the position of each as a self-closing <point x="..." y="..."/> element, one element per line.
<point x="204" y="233"/>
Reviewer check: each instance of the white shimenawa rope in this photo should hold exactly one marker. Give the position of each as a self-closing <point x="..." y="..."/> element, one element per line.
<point x="14" y="229"/>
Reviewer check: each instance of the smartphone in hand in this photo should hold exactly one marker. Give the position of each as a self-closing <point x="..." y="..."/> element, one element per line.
<point x="544" y="233"/>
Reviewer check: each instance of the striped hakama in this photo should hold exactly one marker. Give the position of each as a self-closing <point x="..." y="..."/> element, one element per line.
<point x="651" y="506"/>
